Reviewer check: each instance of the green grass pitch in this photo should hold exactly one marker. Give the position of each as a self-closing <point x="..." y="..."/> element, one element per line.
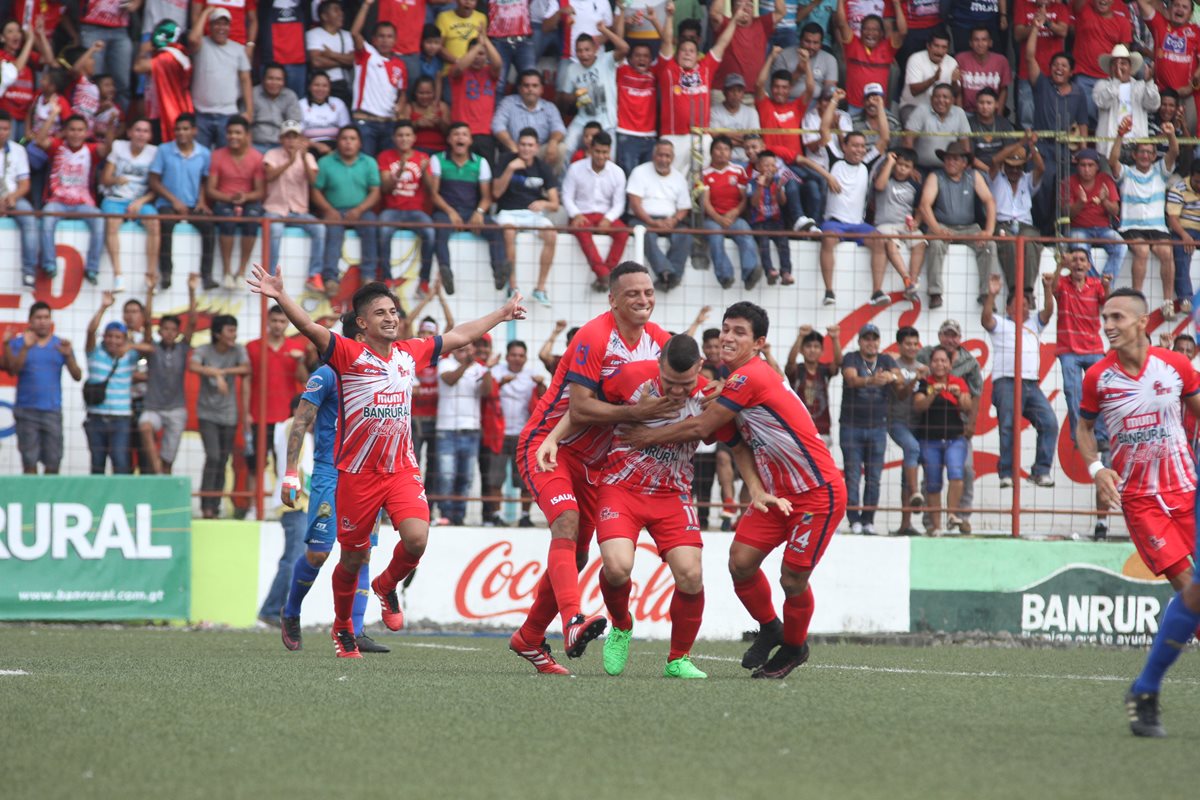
<point x="137" y="713"/>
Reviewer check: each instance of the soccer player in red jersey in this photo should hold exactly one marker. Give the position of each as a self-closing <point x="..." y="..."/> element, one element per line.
<point x="567" y="494"/>
<point x="651" y="488"/>
<point x="375" y="461"/>
<point x="795" y="466"/>
<point x="1138" y="389"/>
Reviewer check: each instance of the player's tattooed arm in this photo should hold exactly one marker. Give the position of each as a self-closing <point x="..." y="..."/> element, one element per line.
<point x="714" y="417"/>
<point x="760" y="498"/>
<point x="271" y="286"/>
<point x="306" y="412"/>
<point x="1106" y="479"/>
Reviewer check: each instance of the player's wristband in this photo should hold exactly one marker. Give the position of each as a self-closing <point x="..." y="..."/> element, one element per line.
<point x="291" y="480"/>
<point x="1095" y="467"/>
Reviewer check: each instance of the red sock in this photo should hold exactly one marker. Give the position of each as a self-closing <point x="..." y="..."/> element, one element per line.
<point x="727" y="505"/>
<point x="401" y="566"/>
<point x="686" y="611"/>
<point x="755" y="594"/>
<point x="797" y="613"/>
<point x="564" y="577"/>
<point x="345" y="584"/>
<point x="541" y="613"/>
<point x="616" y="598"/>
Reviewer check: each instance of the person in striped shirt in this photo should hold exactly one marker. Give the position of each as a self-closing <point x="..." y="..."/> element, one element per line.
<point x="111" y="362"/>
<point x="1143" y="200"/>
<point x="1183" y="219"/>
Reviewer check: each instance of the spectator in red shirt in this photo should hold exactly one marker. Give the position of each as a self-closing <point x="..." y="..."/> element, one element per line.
<point x="284" y="42"/>
<point x="750" y="40"/>
<point x="1079" y="296"/>
<point x="776" y="109"/>
<point x="1093" y="202"/>
<point x="1100" y="25"/>
<point x="637" y="120"/>
<point x="869" y="55"/>
<point x="236" y="186"/>
<point x="283" y="378"/>
<point x="1176" y="44"/>
<point x="430" y="116"/>
<point x="403" y="179"/>
<point x="73" y="162"/>
<point x="723" y="200"/>
<point x="16" y="48"/>
<point x="474" y="84"/>
<point x="107" y="21"/>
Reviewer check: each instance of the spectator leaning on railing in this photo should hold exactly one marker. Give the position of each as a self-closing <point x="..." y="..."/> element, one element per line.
<point x="111" y="364"/>
<point x="218" y="364"/>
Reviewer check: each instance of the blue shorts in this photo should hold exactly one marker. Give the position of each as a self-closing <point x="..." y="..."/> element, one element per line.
<point x="110" y="205"/>
<point x="834" y="226"/>
<point x="322" y="512"/>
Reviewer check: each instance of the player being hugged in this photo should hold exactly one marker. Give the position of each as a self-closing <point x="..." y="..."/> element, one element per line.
<point x="651" y="488"/>
<point x="567" y="493"/>
<point x="1141" y="391"/>
<point x="376" y="465"/>
<point x="795" y="466"/>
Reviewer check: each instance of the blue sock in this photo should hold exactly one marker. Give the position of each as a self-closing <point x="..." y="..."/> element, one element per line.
<point x="1178" y="624"/>
<point x="360" y="598"/>
<point x="303" y="576"/>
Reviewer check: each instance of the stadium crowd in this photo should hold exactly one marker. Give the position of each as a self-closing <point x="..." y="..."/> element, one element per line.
<point x="921" y="118"/>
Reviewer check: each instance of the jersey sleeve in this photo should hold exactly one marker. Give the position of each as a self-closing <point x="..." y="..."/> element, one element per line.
<point x="340" y="353"/>
<point x="1187" y="373"/>
<point x="586" y="357"/>
<point x="425" y="352"/>
<point x="319" y="386"/>
<point x="740" y="391"/>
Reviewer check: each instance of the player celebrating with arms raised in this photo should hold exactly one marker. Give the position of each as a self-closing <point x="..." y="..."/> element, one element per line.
<point x="1139" y="389"/>
<point x="566" y="494"/>
<point x="651" y="488"/>
<point x="795" y="466"/>
<point x="375" y="461"/>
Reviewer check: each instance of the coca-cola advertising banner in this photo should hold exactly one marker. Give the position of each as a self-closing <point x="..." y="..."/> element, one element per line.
<point x="486" y="577"/>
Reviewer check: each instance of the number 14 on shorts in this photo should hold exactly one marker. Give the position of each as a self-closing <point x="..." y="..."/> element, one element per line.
<point x="801" y="534"/>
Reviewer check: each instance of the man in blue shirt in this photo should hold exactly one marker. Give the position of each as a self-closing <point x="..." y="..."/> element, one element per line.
<point x="177" y="177"/>
<point x="869" y="379"/>
<point x="319" y="404"/>
<point x="37" y="358"/>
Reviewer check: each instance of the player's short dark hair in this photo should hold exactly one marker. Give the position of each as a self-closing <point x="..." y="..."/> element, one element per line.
<point x="571" y="333"/>
<point x="1184" y="337"/>
<point x="275" y="309"/>
<point x="813" y="336"/>
<point x="165" y="318"/>
<point x="626" y="268"/>
<point x="350" y="327"/>
<point x="220" y="322"/>
<point x="906" y="332"/>
<point x="710" y="334"/>
<point x="368" y="293"/>
<point x="602" y="139"/>
<point x="1128" y="291"/>
<point x="680" y="353"/>
<point x="755" y="315"/>
<point x="516" y="343"/>
<point x="40" y="305"/>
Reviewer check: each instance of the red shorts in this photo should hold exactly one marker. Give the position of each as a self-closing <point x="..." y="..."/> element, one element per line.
<point x="360" y="495"/>
<point x="669" y="518"/>
<point x="805" y="532"/>
<point x="571" y="486"/>
<point x="1162" y="527"/>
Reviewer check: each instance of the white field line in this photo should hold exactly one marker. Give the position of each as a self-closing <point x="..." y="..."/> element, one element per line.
<point x="845" y="668"/>
<point x="13" y="672"/>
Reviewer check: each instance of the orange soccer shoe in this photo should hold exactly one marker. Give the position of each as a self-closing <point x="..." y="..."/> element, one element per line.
<point x="393" y="615"/>
<point x="580" y="631"/>
<point x="538" y="655"/>
<point x="344" y="644"/>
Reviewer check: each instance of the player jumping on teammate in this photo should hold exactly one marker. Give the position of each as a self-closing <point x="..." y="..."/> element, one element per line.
<point x="651" y="488"/>
<point x="375" y="461"/>
<point x="566" y="495"/>
<point x="795" y="466"/>
<point x="1141" y="390"/>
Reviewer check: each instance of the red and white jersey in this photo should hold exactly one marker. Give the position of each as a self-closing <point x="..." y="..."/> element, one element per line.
<point x="659" y="469"/>
<point x="772" y="420"/>
<point x="378" y="81"/>
<point x="374" y="421"/>
<point x="684" y="94"/>
<point x="637" y="104"/>
<point x="1144" y="417"/>
<point x="596" y="353"/>
<point x="71" y="173"/>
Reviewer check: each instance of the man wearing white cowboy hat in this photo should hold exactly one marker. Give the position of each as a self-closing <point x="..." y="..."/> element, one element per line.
<point x="1121" y="95"/>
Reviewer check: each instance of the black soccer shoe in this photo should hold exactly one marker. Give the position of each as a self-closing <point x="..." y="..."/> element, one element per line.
<point x="786" y="659"/>
<point x="769" y="637"/>
<point x="289" y="631"/>
<point x="368" y="645"/>
<point x="1143" y="714"/>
